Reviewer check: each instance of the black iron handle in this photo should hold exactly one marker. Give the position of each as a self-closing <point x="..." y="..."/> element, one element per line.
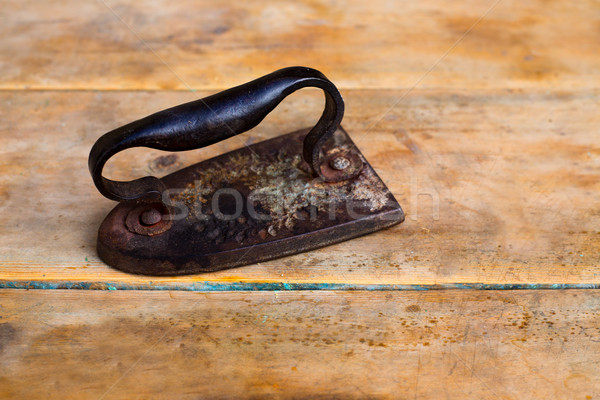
<point x="207" y="121"/>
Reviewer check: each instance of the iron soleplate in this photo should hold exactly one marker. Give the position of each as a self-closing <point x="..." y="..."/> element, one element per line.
<point x="290" y="211"/>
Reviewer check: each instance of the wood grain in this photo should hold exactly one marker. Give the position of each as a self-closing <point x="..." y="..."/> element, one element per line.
<point x="451" y="344"/>
<point x="482" y="118"/>
<point x="380" y="44"/>
<point x="500" y="188"/>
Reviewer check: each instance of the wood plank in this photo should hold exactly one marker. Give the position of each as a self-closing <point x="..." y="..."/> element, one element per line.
<point x="210" y="44"/>
<point x="499" y="189"/>
<point x="447" y="344"/>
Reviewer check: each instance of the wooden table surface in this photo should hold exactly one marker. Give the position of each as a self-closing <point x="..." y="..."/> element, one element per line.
<point x="482" y="117"/>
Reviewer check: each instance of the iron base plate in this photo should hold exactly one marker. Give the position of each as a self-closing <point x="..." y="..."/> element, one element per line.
<point x="253" y="204"/>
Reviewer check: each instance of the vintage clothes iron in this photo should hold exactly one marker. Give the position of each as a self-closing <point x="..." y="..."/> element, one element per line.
<point x="287" y="195"/>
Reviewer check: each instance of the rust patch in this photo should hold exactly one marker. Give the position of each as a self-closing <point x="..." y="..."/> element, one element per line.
<point x="281" y="186"/>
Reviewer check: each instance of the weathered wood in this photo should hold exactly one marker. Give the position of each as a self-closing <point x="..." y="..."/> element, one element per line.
<point x="495" y="158"/>
<point x="148" y="344"/>
<point x="376" y="44"/>
<point x="499" y="188"/>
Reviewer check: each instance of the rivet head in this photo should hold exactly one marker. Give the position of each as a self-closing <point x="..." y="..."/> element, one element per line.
<point x="340" y="163"/>
<point x="150" y="217"/>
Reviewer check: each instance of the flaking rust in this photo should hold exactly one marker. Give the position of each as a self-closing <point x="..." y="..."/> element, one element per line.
<point x="282" y="185"/>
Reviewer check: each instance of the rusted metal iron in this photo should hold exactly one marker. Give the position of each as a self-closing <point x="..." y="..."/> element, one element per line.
<point x="290" y="194"/>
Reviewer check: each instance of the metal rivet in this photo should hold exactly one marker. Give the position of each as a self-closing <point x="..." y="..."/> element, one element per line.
<point x="340" y="163"/>
<point x="150" y="217"/>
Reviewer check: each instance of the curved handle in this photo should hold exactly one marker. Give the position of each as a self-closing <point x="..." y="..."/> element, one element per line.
<point x="206" y="121"/>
